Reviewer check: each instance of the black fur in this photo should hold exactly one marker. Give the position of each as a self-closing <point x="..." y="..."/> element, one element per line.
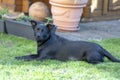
<point x="51" y="46"/>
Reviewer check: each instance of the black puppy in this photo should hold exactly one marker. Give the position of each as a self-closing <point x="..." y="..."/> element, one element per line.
<point x="51" y="46"/>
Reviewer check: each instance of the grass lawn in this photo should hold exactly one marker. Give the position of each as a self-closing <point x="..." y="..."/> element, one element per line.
<point x="11" y="69"/>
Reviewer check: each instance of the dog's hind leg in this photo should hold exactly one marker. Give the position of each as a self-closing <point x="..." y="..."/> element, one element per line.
<point x="94" y="58"/>
<point x="27" y="57"/>
<point x="94" y="62"/>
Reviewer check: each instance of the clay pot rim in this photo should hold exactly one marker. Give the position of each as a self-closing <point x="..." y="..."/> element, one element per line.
<point x="69" y="2"/>
<point x="69" y="6"/>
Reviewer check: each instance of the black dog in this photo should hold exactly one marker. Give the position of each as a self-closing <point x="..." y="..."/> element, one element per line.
<point x="51" y="46"/>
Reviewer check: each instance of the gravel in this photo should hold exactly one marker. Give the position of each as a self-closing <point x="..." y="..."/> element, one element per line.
<point x="94" y="31"/>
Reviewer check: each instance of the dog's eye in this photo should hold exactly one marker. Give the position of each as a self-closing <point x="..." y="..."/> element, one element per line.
<point x="42" y="30"/>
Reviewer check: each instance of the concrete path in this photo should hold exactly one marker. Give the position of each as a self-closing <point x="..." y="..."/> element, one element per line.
<point x="95" y="31"/>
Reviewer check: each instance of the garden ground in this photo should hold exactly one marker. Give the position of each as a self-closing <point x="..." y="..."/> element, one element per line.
<point x="11" y="69"/>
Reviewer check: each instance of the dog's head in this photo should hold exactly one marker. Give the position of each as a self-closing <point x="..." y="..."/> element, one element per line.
<point x="41" y="31"/>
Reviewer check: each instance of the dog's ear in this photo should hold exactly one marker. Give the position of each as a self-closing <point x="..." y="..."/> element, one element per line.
<point x="33" y="23"/>
<point x="51" y="27"/>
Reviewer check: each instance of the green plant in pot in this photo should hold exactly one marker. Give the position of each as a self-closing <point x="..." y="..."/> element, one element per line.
<point x="24" y="18"/>
<point x="2" y="25"/>
<point x="48" y="20"/>
<point x="20" y="27"/>
<point x="66" y="14"/>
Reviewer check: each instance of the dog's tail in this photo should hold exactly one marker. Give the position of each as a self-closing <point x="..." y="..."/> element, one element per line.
<point x="109" y="56"/>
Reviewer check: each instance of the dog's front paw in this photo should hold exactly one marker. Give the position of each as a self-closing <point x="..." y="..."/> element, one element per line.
<point x="25" y="58"/>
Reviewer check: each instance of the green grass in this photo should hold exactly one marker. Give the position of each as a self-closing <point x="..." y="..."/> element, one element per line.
<point x="11" y="69"/>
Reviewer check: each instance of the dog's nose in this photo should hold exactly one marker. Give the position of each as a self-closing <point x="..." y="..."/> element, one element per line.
<point x="38" y="36"/>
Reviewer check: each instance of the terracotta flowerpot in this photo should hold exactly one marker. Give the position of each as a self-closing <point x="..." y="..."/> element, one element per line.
<point x="67" y="14"/>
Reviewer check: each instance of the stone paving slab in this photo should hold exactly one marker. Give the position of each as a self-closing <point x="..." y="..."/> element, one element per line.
<point x="95" y="31"/>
